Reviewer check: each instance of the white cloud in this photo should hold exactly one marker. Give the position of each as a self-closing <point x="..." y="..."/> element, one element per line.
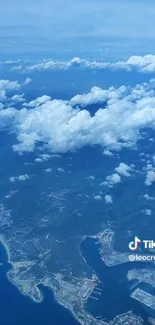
<point x="17" y="68"/>
<point x="108" y="199"/>
<point x="63" y="65"/>
<point x="37" y="102"/>
<point x="60" y="170"/>
<point x="123" y="169"/>
<point x="149" y="198"/>
<point x="55" y="156"/>
<point x="7" y="86"/>
<point x="38" y="160"/>
<point x="150" y="177"/>
<point x="27" y="81"/>
<point x="112" y="179"/>
<point x="147" y="212"/>
<point x="48" y="170"/>
<point x="18" y="98"/>
<point x="19" y="178"/>
<point x="45" y="156"/>
<point x="12" y="179"/>
<point x="98" y="197"/>
<point x="144" y="63"/>
<point x="11" y="62"/>
<point x="98" y="95"/>
<point x="107" y="153"/>
<point x="114" y="95"/>
<point x="148" y="167"/>
<point x="23" y="177"/>
<point x="91" y="177"/>
<point x="61" y="128"/>
<point x="53" y="64"/>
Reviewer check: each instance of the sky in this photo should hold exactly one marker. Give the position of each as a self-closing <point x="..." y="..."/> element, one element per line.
<point x="74" y="36"/>
<point x="59" y="29"/>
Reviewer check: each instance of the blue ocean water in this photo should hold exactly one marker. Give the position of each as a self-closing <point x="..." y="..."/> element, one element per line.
<point x="17" y="309"/>
<point x="115" y="298"/>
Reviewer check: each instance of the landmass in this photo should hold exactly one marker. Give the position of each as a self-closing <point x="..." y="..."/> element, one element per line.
<point x="144" y="297"/>
<point x="43" y="247"/>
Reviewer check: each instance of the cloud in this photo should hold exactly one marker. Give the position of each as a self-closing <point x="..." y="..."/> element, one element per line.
<point x="98" y="197"/>
<point x="27" y="81"/>
<point x="91" y="178"/>
<point x="61" y="127"/>
<point x="48" y="170"/>
<point x="123" y="169"/>
<point x="107" y="152"/>
<point x="18" y="98"/>
<point x="38" y="160"/>
<point x="150" y="177"/>
<point x="12" y="179"/>
<point x="114" y="95"/>
<point x="143" y="64"/>
<point x="53" y="64"/>
<point x="17" y="68"/>
<point x="113" y="179"/>
<point x="98" y="95"/>
<point x="60" y="170"/>
<point x="24" y="177"/>
<point x="42" y="157"/>
<point x="149" y="198"/>
<point x="45" y="156"/>
<point x="108" y="199"/>
<point x="65" y="65"/>
<point x="7" y="86"/>
<point x="147" y="212"/>
<point x="38" y="101"/>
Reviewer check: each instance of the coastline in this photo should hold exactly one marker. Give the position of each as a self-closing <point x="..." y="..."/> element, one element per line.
<point x="36" y="287"/>
<point x="6" y="247"/>
<point x="11" y="264"/>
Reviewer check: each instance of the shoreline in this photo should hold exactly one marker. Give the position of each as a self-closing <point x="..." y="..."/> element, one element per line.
<point x="31" y="297"/>
<point x="6" y="247"/>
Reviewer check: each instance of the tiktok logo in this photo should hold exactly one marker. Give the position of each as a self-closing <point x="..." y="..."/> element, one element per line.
<point x="133" y="245"/>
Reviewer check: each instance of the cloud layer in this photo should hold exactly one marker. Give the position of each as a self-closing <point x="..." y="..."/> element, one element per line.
<point x="63" y="126"/>
<point x="144" y="63"/>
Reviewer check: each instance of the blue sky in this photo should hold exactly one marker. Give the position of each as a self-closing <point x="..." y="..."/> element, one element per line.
<point x="109" y="29"/>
